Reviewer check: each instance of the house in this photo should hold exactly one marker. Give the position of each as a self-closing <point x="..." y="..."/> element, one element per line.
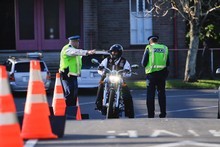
<point x="45" y="25"/>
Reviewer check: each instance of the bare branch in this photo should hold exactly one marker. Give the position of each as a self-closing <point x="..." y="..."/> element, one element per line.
<point x="180" y="7"/>
<point x="174" y="8"/>
<point x="207" y="12"/>
<point x="157" y="7"/>
<point x="147" y="12"/>
<point x="165" y="13"/>
<point x="212" y="9"/>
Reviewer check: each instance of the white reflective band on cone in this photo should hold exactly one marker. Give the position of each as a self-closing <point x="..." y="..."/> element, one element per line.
<point x="59" y="96"/>
<point x="34" y="98"/>
<point x="35" y="75"/>
<point x="8" y="118"/>
<point x="58" y="83"/>
<point x="4" y="87"/>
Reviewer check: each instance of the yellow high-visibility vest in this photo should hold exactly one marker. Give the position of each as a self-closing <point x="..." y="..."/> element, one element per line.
<point x="74" y="63"/>
<point x="158" y="54"/>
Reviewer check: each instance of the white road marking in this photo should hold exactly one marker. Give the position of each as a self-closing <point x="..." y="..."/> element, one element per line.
<point x="187" y="95"/>
<point x="192" y="95"/>
<point x="187" y="143"/>
<point x="132" y="134"/>
<point x="181" y="110"/>
<point x="88" y="103"/>
<point x="112" y="131"/>
<point x="111" y="136"/>
<point x="31" y="143"/>
<point x="123" y="134"/>
<point x="193" y="133"/>
<point x="129" y="133"/>
<point x="215" y="133"/>
<point x="157" y="133"/>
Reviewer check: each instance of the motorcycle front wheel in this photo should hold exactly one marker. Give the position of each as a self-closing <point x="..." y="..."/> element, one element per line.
<point x="110" y="109"/>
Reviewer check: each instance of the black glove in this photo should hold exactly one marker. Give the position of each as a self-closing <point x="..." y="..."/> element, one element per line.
<point x="126" y="71"/>
<point x="101" y="67"/>
<point x="64" y="75"/>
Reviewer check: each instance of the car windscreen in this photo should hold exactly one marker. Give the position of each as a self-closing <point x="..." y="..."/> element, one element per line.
<point x="86" y="60"/>
<point x="25" y="67"/>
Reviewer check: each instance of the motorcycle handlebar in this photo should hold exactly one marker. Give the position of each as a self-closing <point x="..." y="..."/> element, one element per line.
<point x="107" y="70"/>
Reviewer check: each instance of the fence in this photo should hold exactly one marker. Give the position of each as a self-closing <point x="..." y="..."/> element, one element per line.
<point x="134" y="56"/>
<point x="177" y="61"/>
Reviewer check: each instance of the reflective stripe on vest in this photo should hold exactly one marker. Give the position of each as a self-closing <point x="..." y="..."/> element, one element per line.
<point x="158" y="66"/>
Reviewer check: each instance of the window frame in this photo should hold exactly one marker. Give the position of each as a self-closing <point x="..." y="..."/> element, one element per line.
<point x="140" y="21"/>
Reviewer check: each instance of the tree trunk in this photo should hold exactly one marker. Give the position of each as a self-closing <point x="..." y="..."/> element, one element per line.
<point x="190" y="69"/>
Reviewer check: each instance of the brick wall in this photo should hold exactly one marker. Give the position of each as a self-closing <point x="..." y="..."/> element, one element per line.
<point x="108" y="22"/>
<point x="113" y="23"/>
<point x="90" y="27"/>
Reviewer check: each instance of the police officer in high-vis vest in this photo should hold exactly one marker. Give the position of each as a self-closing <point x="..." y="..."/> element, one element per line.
<point x="156" y="60"/>
<point x="120" y="63"/>
<point x="70" y="68"/>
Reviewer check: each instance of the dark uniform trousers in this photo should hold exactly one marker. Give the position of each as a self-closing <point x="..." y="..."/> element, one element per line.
<point x="156" y="83"/>
<point x="128" y="102"/>
<point x="70" y="88"/>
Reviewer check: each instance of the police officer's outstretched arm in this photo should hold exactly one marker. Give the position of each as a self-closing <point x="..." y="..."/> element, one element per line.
<point x="72" y="48"/>
<point x="71" y="51"/>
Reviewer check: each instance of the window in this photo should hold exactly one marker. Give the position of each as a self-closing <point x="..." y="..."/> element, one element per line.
<point x="25" y="67"/>
<point x="140" y="21"/>
<point x="51" y="19"/>
<point x="26" y="19"/>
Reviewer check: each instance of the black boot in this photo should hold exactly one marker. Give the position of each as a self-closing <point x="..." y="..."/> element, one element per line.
<point x="98" y="105"/>
<point x="129" y="108"/>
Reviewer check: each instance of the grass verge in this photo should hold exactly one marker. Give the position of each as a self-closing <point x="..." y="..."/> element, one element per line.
<point x="179" y="84"/>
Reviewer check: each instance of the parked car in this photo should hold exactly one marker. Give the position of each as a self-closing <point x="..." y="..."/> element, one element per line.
<point x="18" y="70"/>
<point x="218" y="72"/>
<point x="89" y="77"/>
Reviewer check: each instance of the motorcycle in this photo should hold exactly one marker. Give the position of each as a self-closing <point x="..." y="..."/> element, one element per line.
<point x="112" y="104"/>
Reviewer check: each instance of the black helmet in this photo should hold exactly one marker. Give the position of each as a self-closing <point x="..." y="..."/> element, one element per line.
<point x="116" y="48"/>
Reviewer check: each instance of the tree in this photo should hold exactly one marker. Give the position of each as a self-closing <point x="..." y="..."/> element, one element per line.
<point x="195" y="13"/>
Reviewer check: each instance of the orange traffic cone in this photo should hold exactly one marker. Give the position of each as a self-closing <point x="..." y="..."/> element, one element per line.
<point x="9" y="126"/>
<point x="36" y="123"/>
<point x="35" y="71"/>
<point x="78" y="111"/>
<point x="59" y="103"/>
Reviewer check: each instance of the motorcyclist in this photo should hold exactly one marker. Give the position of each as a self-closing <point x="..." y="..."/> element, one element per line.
<point x="120" y="62"/>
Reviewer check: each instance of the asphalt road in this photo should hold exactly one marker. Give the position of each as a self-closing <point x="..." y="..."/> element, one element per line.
<point x="191" y="121"/>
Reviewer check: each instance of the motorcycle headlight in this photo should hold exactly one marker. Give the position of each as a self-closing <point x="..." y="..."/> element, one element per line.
<point x="114" y="79"/>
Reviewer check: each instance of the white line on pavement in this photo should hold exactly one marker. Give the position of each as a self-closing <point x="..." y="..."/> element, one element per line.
<point x="181" y="110"/>
<point x="31" y="143"/>
<point x="187" y="143"/>
<point x="88" y="103"/>
<point x="187" y="95"/>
